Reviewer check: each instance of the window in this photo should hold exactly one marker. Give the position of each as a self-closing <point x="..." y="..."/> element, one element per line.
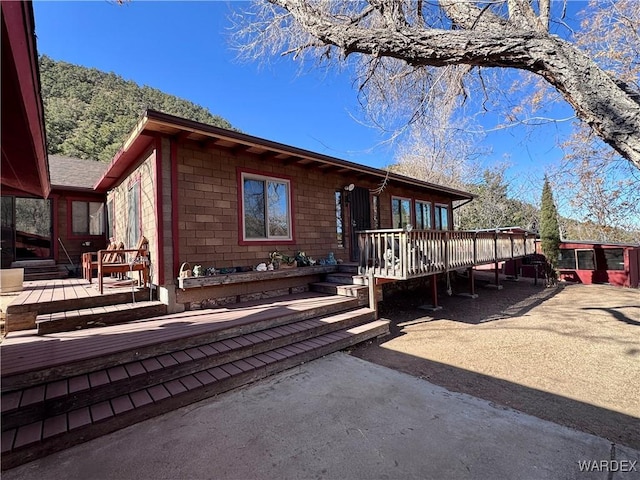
<point x="586" y="259"/>
<point x="614" y="258"/>
<point x="133" y="217"/>
<point x="339" y="220"/>
<point x="266" y="208"/>
<point x="401" y="212"/>
<point x="87" y="218"/>
<point x="423" y="215"/>
<point x="442" y="217"/>
<point x="567" y="259"/>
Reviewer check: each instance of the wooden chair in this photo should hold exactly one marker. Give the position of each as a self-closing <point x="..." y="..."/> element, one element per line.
<point x="90" y="260"/>
<point x="127" y="260"/>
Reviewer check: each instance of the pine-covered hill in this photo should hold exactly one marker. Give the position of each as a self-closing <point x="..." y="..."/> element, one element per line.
<point x="89" y="113"/>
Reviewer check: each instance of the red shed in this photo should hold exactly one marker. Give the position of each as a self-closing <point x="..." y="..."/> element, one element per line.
<point x="592" y="262"/>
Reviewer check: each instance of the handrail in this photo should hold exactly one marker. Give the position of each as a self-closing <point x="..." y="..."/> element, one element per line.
<point x="398" y="254"/>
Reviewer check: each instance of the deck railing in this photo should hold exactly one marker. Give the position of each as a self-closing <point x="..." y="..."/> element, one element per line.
<point x="399" y="254"/>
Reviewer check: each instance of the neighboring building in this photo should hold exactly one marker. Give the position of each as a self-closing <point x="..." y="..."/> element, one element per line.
<point x="595" y="262"/>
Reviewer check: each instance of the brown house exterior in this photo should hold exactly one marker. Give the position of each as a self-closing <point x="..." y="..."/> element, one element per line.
<point x="218" y="198"/>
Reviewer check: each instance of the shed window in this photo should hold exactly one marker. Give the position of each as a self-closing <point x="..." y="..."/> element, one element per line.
<point x="401" y="212"/>
<point x="567" y="259"/>
<point x="614" y="258"/>
<point x="423" y="215"/>
<point x="586" y="259"/>
<point x="266" y="208"/>
<point x="87" y="218"/>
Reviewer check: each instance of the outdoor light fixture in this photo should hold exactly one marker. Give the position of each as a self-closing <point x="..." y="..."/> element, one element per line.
<point x="350" y="187"/>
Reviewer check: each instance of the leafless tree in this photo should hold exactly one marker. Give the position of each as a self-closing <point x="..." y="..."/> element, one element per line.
<point x="395" y="45"/>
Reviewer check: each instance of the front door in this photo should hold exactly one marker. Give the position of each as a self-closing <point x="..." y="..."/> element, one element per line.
<point x="360" y="213"/>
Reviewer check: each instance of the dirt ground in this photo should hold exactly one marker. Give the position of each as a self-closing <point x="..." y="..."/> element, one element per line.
<point x="569" y="354"/>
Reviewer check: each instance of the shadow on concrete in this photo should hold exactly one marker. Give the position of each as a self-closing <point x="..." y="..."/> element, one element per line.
<point x="621" y="317"/>
<point x="614" y="426"/>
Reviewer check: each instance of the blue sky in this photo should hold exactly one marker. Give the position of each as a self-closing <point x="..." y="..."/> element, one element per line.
<point x="182" y="48"/>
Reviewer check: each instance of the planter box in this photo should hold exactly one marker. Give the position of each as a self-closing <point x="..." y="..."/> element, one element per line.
<point x="11" y="280"/>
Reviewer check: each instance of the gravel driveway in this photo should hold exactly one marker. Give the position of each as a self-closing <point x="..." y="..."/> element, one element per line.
<point x="569" y="354"/>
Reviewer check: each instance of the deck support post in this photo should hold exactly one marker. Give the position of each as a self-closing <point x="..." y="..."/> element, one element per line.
<point x="497" y="275"/>
<point x="373" y="300"/>
<point x="472" y="285"/>
<point x="434" y="296"/>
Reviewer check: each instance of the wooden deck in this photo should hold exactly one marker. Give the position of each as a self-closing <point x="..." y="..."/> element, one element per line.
<point x="67" y="289"/>
<point x="25" y="351"/>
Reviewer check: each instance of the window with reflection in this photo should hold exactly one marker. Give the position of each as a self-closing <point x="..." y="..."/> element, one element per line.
<point x="266" y="208"/>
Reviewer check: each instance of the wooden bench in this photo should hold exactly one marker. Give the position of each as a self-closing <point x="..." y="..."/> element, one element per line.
<point x="128" y="260"/>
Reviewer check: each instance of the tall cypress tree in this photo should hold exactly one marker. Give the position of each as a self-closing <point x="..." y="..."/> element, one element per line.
<point x="549" y="228"/>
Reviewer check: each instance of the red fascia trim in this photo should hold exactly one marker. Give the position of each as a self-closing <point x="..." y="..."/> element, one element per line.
<point x="19" y="22"/>
<point x="174" y="205"/>
<point x="241" y="240"/>
<point x="159" y="210"/>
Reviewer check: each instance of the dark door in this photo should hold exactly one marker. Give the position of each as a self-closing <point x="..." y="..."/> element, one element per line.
<point x="360" y="213"/>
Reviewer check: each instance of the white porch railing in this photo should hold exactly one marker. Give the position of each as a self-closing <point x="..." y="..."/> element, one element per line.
<point x="401" y="255"/>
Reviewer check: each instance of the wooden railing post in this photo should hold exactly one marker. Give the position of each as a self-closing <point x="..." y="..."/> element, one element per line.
<point x="373" y="300"/>
<point x="446" y="251"/>
<point x="475" y="248"/>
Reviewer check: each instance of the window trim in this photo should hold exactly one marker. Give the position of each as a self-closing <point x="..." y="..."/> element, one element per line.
<point x="624" y="263"/>
<point x="132" y="183"/>
<point x="415" y="207"/>
<point x="593" y="256"/>
<point x="242" y="173"/>
<point x="80" y="236"/>
<point x="410" y="200"/>
<point x="435" y="207"/>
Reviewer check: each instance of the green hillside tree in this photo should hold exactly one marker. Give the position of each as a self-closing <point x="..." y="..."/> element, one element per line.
<point x="549" y="228"/>
<point x="89" y="113"/>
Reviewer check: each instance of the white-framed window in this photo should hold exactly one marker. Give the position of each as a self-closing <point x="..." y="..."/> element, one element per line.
<point x="400" y="212"/>
<point x="423" y="215"/>
<point x="442" y="217"/>
<point x="266" y="208"/>
<point x="87" y="218"/>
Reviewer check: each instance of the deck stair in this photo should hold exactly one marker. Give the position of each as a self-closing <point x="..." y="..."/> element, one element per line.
<point x="73" y="387"/>
<point x="40" y="270"/>
<point x="98" y="316"/>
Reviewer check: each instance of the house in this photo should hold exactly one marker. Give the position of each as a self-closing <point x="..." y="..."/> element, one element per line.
<point x="204" y="195"/>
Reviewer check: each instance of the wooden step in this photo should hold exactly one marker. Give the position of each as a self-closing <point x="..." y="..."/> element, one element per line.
<point x="346" y="278"/>
<point x="98" y="316"/>
<point x="360" y="292"/>
<point x="62" y="305"/>
<point x="23" y="443"/>
<point x="53" y="398"/>
<point x="33" y="364"/>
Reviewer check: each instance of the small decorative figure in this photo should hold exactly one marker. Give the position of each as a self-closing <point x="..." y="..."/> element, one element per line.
<point x="262" y="267"/>
<point x="331" y="260"/>
<point x="197" y="271"/>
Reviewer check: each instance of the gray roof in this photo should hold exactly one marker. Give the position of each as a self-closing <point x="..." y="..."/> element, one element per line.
<point x="74" y="173"/>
